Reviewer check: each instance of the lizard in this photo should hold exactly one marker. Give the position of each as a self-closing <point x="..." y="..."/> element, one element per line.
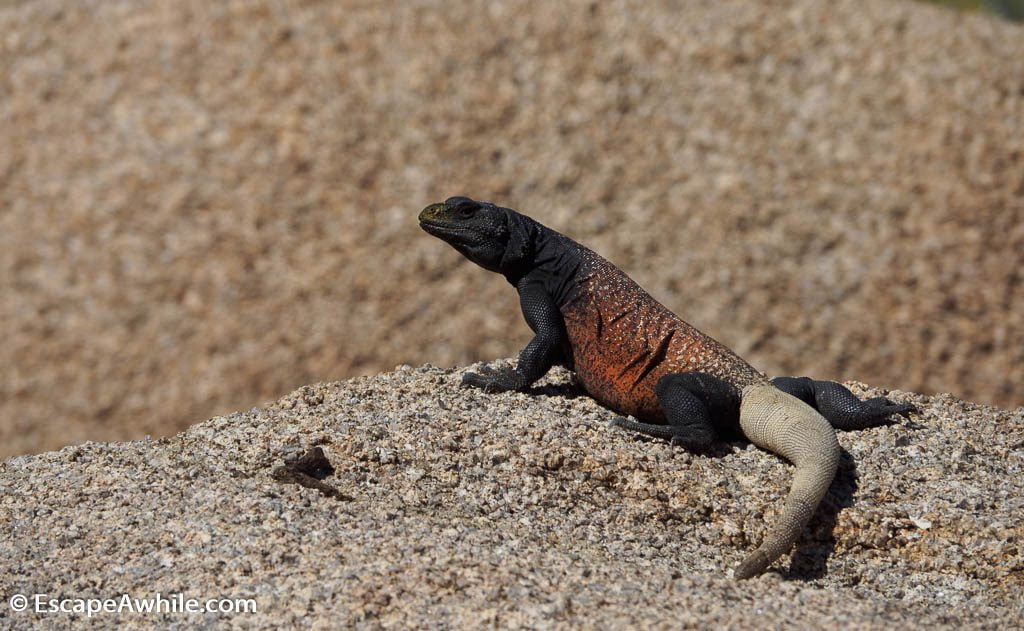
<point x="633" y="355"/>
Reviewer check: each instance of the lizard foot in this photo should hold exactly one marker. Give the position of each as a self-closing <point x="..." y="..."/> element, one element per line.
<point x="491" y="380"/>
<point x="883" y="407"/>
<point x="675" y="435"/>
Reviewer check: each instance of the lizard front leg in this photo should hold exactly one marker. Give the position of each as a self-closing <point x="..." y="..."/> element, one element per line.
<point x="543" y="351"/>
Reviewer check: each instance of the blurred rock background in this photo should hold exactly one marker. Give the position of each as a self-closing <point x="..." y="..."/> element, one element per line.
<point x="204" y="205"/>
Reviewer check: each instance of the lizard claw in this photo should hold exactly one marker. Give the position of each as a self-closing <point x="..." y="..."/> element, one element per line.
<point x="883" y="407"/>
<point x="903" y="409"/>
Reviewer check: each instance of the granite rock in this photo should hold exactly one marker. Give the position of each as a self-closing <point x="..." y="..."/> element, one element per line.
<point x="459" y="509"/>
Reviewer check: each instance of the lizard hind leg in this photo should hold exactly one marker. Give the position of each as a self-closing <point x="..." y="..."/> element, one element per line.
<point x="840" y="406"/>
<point x="784" y="425"/>
<point x="697" y="407"/>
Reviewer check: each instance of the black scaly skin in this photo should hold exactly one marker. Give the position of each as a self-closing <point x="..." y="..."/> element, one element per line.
<point x="837" y="404"/>
<point x="635" y="356"/>
<point x="698" y="409"/>
<point x="546" y="349"/>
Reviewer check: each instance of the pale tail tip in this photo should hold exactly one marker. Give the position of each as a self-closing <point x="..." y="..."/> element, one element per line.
<point x="751" y="566"/>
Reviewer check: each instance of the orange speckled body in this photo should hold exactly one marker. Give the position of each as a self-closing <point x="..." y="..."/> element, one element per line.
<point x="623" y="341"/>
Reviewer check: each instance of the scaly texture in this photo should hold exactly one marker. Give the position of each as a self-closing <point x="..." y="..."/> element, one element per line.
<point x="623" y="340"/>
<point x="783" y="424"/>
<point x="637" y="357"/>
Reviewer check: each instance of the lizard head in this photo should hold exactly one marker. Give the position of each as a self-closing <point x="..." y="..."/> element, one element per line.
<point x="497" y="239"/>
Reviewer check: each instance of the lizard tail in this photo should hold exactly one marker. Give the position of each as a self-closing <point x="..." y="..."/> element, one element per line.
<point x="786" y="426"/>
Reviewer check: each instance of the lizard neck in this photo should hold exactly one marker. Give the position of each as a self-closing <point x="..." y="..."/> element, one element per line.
<point x="555" y="262"/>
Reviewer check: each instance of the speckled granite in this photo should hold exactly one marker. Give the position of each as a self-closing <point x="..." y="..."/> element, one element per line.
<point x="461" y="509"/>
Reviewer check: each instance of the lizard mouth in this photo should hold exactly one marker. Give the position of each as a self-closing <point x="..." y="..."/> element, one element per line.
<point x="444" y="231"/>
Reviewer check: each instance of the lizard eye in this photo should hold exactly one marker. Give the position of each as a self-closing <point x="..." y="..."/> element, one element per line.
<point x="466" y="210"/>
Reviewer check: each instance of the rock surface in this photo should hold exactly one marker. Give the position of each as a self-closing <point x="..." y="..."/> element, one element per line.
<point x="208" y="204"/>
<point x="460" y="509"/>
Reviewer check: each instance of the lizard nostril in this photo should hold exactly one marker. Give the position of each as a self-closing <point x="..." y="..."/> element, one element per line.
<point x="430" y="212"/>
